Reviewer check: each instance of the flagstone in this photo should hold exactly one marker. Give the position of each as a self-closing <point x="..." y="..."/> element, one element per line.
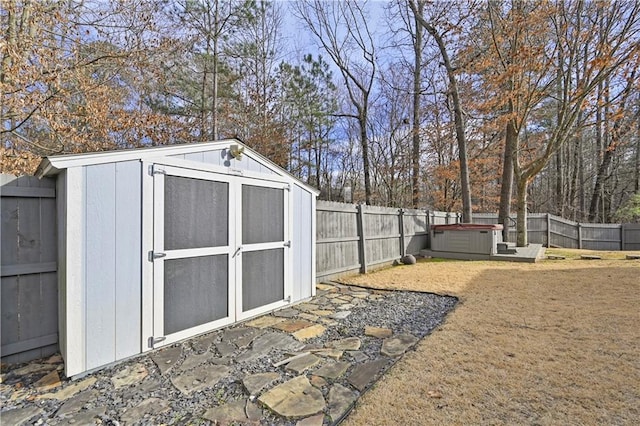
<point x="200" y="378"/>
<point x="225" y="348"/>
<point x="229" y="413"/>
<point x="340" y="400"/>
<point x="379" y="332"/>
<point x="307" y="307"/>
<point x="332" y="370"/>
<point x="286" y="313"/>
<point x="150" y="406"/>
<point x="358" y="356"/>
<point x="193" y="360"/>
<point x="347" y="344"/>
<point x="303" y="363"/>
<point x="77" y="402"/>
<point x="330" y="353"/>
<point x="254" y="383"/>
<point x="263" y="344"/>
<point x="308" y="316"/>
<point x="69" y="390"/>
<point x="18" y="416"/>
<point x="290" y="326"/>
<point x="346" y="306"/>
<point x="328" y="321"/>
<point x="265" y="321"/>
<point x="86" y="417"/>
<point x="318" y="381"/>
<point x="309" y="332"/>
<point x="49" y="381"/>
<point x="129" y="375"/>
<point x="340" y="315"/>
<point x="295" y="398"/>
<point x="397" y="345"/>
<point x="321" y="286"/>
<point x="316" y="420"/>
<point x="167" y="358"/>
<point x="202" y="344"/>
<point x="365" y="374"/>
<point x="321" y="312"/>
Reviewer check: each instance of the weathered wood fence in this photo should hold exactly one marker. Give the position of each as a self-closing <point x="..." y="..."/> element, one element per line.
<point x="554" y="231"/>
<point x="29" y="288"/>
<point x="353" y="238"/>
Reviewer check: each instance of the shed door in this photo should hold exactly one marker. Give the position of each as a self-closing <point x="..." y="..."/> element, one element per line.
<point x="261" y="268"/>
<point x="193" y="253"/>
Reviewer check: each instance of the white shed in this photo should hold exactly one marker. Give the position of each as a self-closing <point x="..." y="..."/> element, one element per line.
<point x="160" y="244"/>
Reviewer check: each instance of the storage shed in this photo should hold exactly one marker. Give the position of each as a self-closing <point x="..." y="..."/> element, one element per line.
<point x="164" y="243"/>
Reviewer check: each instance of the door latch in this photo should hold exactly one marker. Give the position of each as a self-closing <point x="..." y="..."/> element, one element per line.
<point x="155" y="340"/>
<point x="288" y="244"/>
<point x="154" y="255"/>
<point x="238" y="250"/>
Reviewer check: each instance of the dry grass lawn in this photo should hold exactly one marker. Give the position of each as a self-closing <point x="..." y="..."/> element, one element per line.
<point x="557" y="342"/>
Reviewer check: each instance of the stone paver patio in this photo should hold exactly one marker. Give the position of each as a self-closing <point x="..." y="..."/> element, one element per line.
<point x="304" y="365"/>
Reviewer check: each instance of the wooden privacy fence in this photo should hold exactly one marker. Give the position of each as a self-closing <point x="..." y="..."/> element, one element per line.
<point x="352" y="238"/>
<point x="554" y="231"/>
<point x="29" y="288"/>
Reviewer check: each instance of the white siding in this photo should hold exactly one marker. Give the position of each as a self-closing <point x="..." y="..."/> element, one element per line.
<point x="302" y="244"/>
<point x="112" y="262"/>
<point x="220" y="157"/>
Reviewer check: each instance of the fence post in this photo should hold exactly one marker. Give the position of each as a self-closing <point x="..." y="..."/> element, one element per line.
<point x="622" y="237"/>
<point x="579" y="235"/>
<point x="401" y="223"/>
<point x="548" y="230"/>
<point x="362" y="248"/>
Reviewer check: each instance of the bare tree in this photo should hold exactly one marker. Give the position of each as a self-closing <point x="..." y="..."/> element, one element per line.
<point x="342" y="29"/>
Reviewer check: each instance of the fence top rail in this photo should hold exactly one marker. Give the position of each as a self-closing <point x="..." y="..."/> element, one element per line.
<point x="601" y="225"/>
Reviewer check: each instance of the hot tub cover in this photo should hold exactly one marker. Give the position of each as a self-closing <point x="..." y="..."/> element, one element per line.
<point x="468" y="227"/>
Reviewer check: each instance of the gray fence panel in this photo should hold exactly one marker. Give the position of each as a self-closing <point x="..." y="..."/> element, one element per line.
<point x="631" y="236"/>
<point x="28" y="289"/>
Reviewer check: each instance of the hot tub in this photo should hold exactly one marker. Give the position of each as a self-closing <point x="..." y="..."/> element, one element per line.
<point x="466" y="238"/>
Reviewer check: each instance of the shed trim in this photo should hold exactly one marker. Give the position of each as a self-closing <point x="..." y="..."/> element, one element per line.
<point x="50" y="166"/>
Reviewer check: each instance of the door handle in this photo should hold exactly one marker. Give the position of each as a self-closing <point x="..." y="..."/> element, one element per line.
<point x="238" y="250"/>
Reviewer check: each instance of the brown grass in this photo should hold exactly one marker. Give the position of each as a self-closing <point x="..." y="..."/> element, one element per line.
<point x="557" y="342"/>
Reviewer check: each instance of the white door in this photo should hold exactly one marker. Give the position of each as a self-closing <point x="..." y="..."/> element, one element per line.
<point x="193" y="265"/>
<point x="263" y="232"/>
<point x="221" y="249"/>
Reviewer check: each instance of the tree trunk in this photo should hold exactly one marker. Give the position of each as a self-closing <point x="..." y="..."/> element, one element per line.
<point x="365" y="157"/>
<point x="511" y="141"/>
<point x="521" y="207"/>
<point x="415" y="125"/>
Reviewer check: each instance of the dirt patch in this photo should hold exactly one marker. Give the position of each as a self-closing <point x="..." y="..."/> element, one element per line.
<point x="556" y="342"/>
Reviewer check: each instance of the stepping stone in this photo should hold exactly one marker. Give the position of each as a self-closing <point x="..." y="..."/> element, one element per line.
<point x="318" y="381"/>
<point x="166" y="359"/>
<point x="632" y="256"/>
<point x="555" y="257"/>
<point x="381" y="333"/>
<point x="341" y="399"/>
<point x="49" y="381"/>
<point x="333" y="370"/>
<point x="32" y="369"/>
<point x="233" y="412"/>
<point x="308" y="316"/>
<point x="253" y="412"/>
<point x="290" y="326"/>
<point x="316" y="420"/>
<point x="233" y="334"/>
<point x="304" y="363"/>
<point x="200" y="378"/>
<point x="245" y="340"/>
<point x="70" y="390"/>
<point x="225" y="348"/>
<point x="77" y="402"/>
<point x="329" y="322"/>
<point x="321" y="312"/>
<point x="348" y="344"/>
<point x="294" y="399"/>
<point x="286" y="313"/>
<point x="396" y="346"/>
<point x="322" y="286"/>
<point x="265" y="321"/>
<point x="330" y="353"/>
<point x="194" y="360"/>
<point x="346" y="307"/>
<point x="86" y="417"/>
<point x="340" y="315"/>
<point x="19" y="416"/>
<point x="263" y="344"/>
<point x="590" y="257"/>
<point x="148" y="385"/>
<point x="254" y="383"/>
<point x="306" y="307"/>
<point x="309" y="332"/>
<point x="358" y="356"/>
<point x="129" y="375"/>
<point x="151" y="406"/>
<point x="203" y="344"/>
<point x="364" y="374"/>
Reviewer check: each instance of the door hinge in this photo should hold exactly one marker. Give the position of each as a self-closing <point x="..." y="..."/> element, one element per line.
<point x="288" y="244"/>
<point x="157" y="171"/>
<point x="288" y="187"/>
<point x="153" y="255"/>
<point x="155" y="340"/>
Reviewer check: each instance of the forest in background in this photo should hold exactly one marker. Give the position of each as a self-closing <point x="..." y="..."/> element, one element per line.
<point x="454" y="106"/>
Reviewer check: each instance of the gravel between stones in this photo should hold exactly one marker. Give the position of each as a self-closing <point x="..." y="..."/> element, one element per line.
<point x="403" y="312"/>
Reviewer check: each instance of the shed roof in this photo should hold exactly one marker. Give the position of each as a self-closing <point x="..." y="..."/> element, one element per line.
<point x="50" y="166"/>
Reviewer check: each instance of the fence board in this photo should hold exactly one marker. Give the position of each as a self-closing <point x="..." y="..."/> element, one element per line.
<point x="28" y="289"/>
